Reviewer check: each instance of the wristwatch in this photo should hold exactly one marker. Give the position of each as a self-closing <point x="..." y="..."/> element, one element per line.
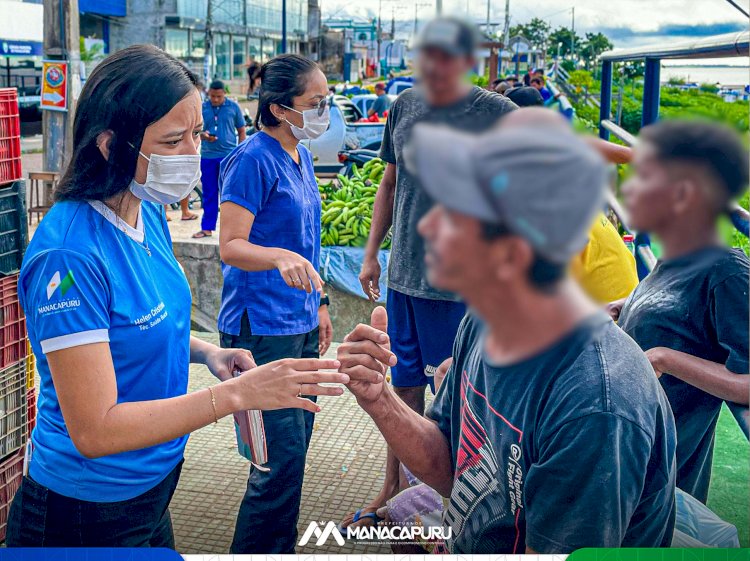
<point x="325" y="300"/>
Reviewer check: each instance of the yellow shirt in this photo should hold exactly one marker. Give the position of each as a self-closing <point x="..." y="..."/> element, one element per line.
<point x="605" y="269"/>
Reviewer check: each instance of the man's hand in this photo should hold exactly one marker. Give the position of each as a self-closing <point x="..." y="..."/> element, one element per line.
<point x="369" y="278"/>
<point x="365" y="356"/>
<point x="614" y="308"/>
<point x="207" y="136"/>
<point x="658" y="357"/>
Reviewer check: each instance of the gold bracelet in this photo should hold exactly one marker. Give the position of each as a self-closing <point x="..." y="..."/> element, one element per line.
<point x="213" y="404"/>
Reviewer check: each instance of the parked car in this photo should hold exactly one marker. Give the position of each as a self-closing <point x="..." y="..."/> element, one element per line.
<point x="344" y="133"/>
<point x="365" y="101"/>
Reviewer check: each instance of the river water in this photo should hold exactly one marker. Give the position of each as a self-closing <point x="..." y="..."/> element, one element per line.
<point x="725" y="75"/>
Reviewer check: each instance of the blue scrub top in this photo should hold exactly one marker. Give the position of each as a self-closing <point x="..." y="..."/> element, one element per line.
<point x="223" y="122"/>
<point x="262" y="178"/>
<point x="88" y="278"/>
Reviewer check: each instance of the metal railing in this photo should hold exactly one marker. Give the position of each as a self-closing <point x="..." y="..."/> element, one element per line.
<point x="728" y="45"/>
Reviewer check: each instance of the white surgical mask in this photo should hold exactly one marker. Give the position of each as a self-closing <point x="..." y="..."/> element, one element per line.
<point x="169" y="179"/>
<point x="313" y="124"/>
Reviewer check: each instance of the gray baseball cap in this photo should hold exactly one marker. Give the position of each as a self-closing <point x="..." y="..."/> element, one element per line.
<point x="452" y="35"/>
<point x="544" y="184"/>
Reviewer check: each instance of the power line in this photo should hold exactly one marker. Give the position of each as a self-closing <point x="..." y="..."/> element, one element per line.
<point x="742" y="11"/>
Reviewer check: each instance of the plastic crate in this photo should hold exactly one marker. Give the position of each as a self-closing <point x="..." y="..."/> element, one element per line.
<point x="10" y="307"/>
<point x="13" y="344"/>
<point x="31" y="406"/>
<point x="10" y="136"/>
<point x="13" y="408"/>
<point x="11" y="475"/>
<point x="30" y="365"/>
<point x="13" y="229"/>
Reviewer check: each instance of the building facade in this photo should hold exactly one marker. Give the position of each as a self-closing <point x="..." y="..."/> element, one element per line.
<point x="239" y="29"/>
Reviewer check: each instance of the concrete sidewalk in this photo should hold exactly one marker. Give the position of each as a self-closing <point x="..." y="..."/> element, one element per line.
<point x="345" y="467"/>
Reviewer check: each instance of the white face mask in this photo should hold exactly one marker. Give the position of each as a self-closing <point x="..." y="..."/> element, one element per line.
<point x="169" y="179"/>
<point x="313" y="125"/>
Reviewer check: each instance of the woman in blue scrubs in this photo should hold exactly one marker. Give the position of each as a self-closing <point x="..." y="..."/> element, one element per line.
<point x="272" y="301"/>
<point x="108" y="313"/>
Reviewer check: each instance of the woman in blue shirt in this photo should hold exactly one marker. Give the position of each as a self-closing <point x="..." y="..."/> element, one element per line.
<point x="108" y="313"/>
<point x="271" y="301"/>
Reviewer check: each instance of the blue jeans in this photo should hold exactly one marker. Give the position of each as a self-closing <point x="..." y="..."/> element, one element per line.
<point x="267" y="520"/>
<point x="39" y="517"/>
<point x="210" y="184"/>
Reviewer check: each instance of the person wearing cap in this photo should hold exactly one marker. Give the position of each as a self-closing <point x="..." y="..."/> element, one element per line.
<point x="445" y="57"/>
<point x="381" y="104"/>
<point x="550" y="432"/>
<point x="690" y="313"/>
<point x="605" y="268"/>
<point x="525" y="97"/>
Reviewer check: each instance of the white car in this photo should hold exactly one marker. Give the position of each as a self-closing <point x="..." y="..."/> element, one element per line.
<point x="344" y="133"/>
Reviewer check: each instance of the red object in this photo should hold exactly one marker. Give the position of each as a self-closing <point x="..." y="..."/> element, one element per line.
<point x="31" y="404"/>
<point x="13" y="342"/>
<point x="10" y="307"/>
<point x="380" y="86"/>
<point x="628" y="238"/>
<point x="11" y="474"/>
<point x="373" y="118"/>
<point x="342" y="157"/>
<point x="10" y="136"/>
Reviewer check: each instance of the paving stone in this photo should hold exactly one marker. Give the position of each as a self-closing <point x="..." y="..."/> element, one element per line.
<point x="214" y="476"/>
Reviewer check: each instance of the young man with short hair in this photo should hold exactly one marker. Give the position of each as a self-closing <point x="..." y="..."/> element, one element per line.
<point x="550" y="432"/>
<point x="690" y="314"/>
<point x="224" y="128"/>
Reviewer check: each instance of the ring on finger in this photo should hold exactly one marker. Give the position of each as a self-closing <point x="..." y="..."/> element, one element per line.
<point x="299" y="393"/>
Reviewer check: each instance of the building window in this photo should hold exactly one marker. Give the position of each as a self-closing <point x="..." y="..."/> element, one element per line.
<point x="269" y="49"/>
<point x="223" y="62"/>
<point x="197" y="44"/>
<point x="176" y="42"/>
<point x="239" y="56"/>
<point x="254" y="47"/>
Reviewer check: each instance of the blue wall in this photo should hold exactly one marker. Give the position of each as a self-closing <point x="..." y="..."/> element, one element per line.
<point x="103" y="7"/>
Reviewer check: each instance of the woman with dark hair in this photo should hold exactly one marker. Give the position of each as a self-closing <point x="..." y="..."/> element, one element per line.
<point x="108" y="314"/>
<point x="272" y="301"/>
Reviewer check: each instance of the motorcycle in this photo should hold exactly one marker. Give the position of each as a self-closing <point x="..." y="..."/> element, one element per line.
<point x="358" y="156"/>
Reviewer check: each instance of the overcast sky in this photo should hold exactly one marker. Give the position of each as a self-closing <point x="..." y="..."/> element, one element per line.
<point x="626" y="22"/>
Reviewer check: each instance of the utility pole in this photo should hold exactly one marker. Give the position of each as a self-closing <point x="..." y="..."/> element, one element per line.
<point x="506" y="32"/>
<point x="379" y="34"/>
<point x="283" y="26"/>
<point x="61" y="43"/>
<point x="573" y="33"/>
<point x="208" y="58"/>
<point x="418" y="5"/>
<point x="439" y="7"/>
<point x="393" y="23"/>
<point x="487" y="29"/>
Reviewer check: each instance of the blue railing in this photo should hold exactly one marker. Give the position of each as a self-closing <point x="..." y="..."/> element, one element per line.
<point x="729" y="45"/>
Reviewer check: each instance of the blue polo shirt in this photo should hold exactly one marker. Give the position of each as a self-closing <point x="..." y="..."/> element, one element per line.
<point x="223" y="122"/>
<point x="88" y="277"/>
<point x="283" y="196"/>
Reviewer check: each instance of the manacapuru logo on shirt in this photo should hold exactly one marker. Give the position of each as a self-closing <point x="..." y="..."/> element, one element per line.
<point x="62" y="286"/>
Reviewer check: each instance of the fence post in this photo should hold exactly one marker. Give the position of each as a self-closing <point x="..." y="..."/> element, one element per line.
<point x="605" y="101"/>
<point x="651" y="92"/>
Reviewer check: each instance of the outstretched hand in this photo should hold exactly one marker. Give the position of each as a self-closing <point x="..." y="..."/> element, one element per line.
<point x="365" y="356"/>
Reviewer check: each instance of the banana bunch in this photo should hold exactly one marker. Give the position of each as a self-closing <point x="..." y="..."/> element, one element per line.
<point x="347" y="210"/>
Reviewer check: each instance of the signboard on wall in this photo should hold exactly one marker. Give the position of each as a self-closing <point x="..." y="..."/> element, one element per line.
<point x="55" y="85"/>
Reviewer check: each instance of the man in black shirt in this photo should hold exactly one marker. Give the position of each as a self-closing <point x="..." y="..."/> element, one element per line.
<point x="690" y="314"/>
<point x="550" y="432"/>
